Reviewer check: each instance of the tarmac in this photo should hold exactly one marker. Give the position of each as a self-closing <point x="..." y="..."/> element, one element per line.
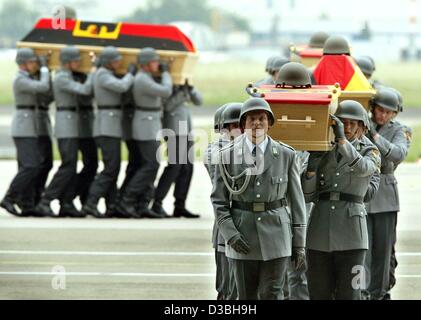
<point x="50" y="258"/>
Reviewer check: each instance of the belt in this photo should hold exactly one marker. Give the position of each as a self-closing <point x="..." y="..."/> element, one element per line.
<point x="74" y="109"/>
<point x="339" y="196"/>
<point x="109" y="107"/>
<point x="259" y="206"/>
<point x="155" y="109"/>
<point x="42" y="108"/>
<point x="86" y="108"/>
<point x="22" y="107"/>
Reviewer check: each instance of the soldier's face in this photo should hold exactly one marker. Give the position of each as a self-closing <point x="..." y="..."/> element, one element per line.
<point x="234" y="130"/>
<point x="74" y="65"/>
<point x="115" y="65"/>
<point x="154" y="66"/>
<point x="256" y="124"/>
<point x="32" y="67"/>
<point x="382" y="115"/>
<point x="351" y="128"/>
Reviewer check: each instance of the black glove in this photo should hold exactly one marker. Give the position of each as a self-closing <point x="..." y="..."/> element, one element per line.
<point x="338" y="128"/>
<point x="239" y="244"/>
<point x="132" y="68"/>
<point x="163" y="67"/>
<point x="298" y="259"/>
<point x="43" y="61"/>
<point x="314" y="160"/>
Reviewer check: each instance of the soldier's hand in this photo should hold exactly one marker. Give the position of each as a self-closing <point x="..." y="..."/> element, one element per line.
<point x="132" y="68"/>
<point x="239" y="244"/>
<point x="43" y="61"/>
<point x="338" y="128"/>
<point x="314" y="160"/>
<point x="163" y="67"/>
<point x="372" y="129"/>
<point x="298" y="259"/>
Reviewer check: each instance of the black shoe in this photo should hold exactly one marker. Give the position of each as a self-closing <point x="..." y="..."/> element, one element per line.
<point x="91" y="210"/>
<point x="69" y="210"/>
<point x="126" y="207"/>
<point x="9" y="205"/>
<point x="43" y="209"/>
<point x="145" y="212"/>
<point x="159" y="210"/>
<point x="183" y="212"/>
<point x="387" y="297"/>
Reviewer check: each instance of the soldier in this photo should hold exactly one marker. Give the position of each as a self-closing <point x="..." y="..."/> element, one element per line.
<point x="227" y="120"/>
<point x="108" y="128"/>
<point x="391" y="140"/>
<point x="45" y="144"/>
<point x="366" y="66"/>
<point x="268" y="69"/>
<point x="178" y="124"/>
<point x="66" y="89"/>
<point x="148" y="95"/>
<point x="337" y="181"/>
<point x="318" y="39"/>
<point x="86" y="142"/>
<point x="255" y="176"/>
<point x="24" y="130"/>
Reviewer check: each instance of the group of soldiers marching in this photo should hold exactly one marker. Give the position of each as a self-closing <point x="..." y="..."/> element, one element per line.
<point x="95" y="111"/>
<point x="307" y="225"/>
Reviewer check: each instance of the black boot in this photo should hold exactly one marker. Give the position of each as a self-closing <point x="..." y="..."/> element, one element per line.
<point x="69" y="210"/>
<point x="144" y="212"/>
<point x="159" y="210"/>
<point x="183" y="212"/>
<point x="9" y="204"/>
<point x="127" y="207"/>
<point x="43" y="208"/>
<point x="90" y="208"/>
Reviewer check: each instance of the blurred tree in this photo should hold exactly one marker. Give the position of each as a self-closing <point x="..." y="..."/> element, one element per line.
<point x="16" y="19"/>
<point x="166" y="11"/>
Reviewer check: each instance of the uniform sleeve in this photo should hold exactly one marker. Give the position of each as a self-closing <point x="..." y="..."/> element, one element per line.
<point x="296" y="201"/>
<point x="395" y="150"/>
<point x="373" y="187"/>
<point x="163" y="89"/>
<point x="363" y="165"/>
<point x="175" y="100"/>
<point x="36" y="86"/>
<point x="221" y="205"/>
<point x="117" y="85"/>
<point x="72" y="86"/>
<point x="196" y="97"/>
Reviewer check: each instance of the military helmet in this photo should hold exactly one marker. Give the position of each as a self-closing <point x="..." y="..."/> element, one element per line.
<point x="365" y="65"/>
<point x="269" y="63"/>
<point x="336" y="45"/>
<point x="69" y="54"/>
<point x="400" y="98"/>
<point x="386" y="98"/>
<point x="371" y="60"/>
<point x="253" y="104"/>
<point x="217" y="118"/>
<point x="277" y="63"/>
<point x="231" y="113"/>
<point x="24" y="55"/>
<point x="70" y="12"/>
<point x="293" y="74"/>
<point x="109" y="54"/>
<point x="318" y="39"/>
<point x="147" y="55"/>
<point x="351" y="109"/>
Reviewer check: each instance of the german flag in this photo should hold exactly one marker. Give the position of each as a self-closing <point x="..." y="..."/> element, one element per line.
<point x="123" y="35"/>
<point x="341" y="69"/>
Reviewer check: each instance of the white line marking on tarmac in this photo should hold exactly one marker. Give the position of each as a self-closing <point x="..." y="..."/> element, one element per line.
<point x="133" y="253"/>
<point x="103" y="253"/>
<point x="107" y="274"/>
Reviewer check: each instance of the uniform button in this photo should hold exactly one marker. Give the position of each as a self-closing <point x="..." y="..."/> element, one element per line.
<point x="280" y="179"/>
<point x="258" y="219"/>
<point x="150" y="118"/>
<point x="258" y="196"/>
<point x="362" y="213"/>
<point x="337" y="174"/>
<point x="258" y="183"/>
<point x="335" y="185"/>
<point x="25" y="115"/>
<point x="333" y="208"/>
<point x="322" y="175"/>
<point x="111" y="114"/>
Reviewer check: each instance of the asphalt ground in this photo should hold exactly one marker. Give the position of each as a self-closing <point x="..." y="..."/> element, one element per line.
<point x="49" y="258"/>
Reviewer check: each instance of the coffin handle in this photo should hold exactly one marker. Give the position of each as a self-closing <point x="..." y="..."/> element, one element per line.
<point x="307" y="123"/>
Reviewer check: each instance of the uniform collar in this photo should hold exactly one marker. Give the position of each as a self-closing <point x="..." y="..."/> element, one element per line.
<point x="262" y="146"/>
<point x="23" y="72"/>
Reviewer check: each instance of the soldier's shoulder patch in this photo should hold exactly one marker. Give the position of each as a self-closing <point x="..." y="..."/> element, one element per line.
<point x="375" y="152"/>
<point x="408" y="133"/>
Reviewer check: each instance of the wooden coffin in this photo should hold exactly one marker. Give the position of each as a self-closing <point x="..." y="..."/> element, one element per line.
<point x="309" y="57"/>
<point x="362" y="97"/>
<point x="129" y="38"/>
<point x="302" y="115"/>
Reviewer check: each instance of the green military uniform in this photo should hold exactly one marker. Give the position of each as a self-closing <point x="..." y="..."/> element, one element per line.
<point x="337" y="237"/>
<point x="260" y="213"/>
